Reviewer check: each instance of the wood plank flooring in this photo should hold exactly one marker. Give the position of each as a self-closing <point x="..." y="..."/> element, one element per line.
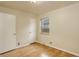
<point x="36" y="50"/>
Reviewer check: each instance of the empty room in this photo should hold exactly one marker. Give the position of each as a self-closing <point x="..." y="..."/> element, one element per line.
<point x="39" y="28"/>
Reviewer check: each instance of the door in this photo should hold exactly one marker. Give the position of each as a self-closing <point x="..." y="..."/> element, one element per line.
<point x="7" y="32"/>
<point x="32" y="30"/>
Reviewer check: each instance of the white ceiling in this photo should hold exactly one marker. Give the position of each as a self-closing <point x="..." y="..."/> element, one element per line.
<point x="37" y="8"/>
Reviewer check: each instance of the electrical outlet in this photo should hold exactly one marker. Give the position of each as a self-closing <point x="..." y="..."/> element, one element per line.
<point x="50" y="42"/>
<point x="18" y="43"/>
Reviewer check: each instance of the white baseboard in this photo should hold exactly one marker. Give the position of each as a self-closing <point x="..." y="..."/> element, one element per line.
<point x="60" y="49"/>
<point x="23" y="45"/>
<point x="18" y="47"/>
<point x="49" y="46"/>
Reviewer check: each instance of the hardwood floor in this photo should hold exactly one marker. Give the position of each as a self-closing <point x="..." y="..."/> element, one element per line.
<point x="36" y="50"/>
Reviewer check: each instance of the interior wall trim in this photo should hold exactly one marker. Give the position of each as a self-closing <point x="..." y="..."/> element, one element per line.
<point x="60" y="49"/>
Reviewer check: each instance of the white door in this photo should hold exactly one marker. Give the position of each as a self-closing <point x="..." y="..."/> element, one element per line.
<point x="7" y="32"/>
<point x="32" y="31"/>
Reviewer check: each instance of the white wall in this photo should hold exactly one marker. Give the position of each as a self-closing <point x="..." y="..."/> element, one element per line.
<point x="23" y="23"/>
<point x="64" y="29"/>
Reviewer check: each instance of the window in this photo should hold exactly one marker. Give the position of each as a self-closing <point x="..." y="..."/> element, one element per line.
<point x="45" y="25"/>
